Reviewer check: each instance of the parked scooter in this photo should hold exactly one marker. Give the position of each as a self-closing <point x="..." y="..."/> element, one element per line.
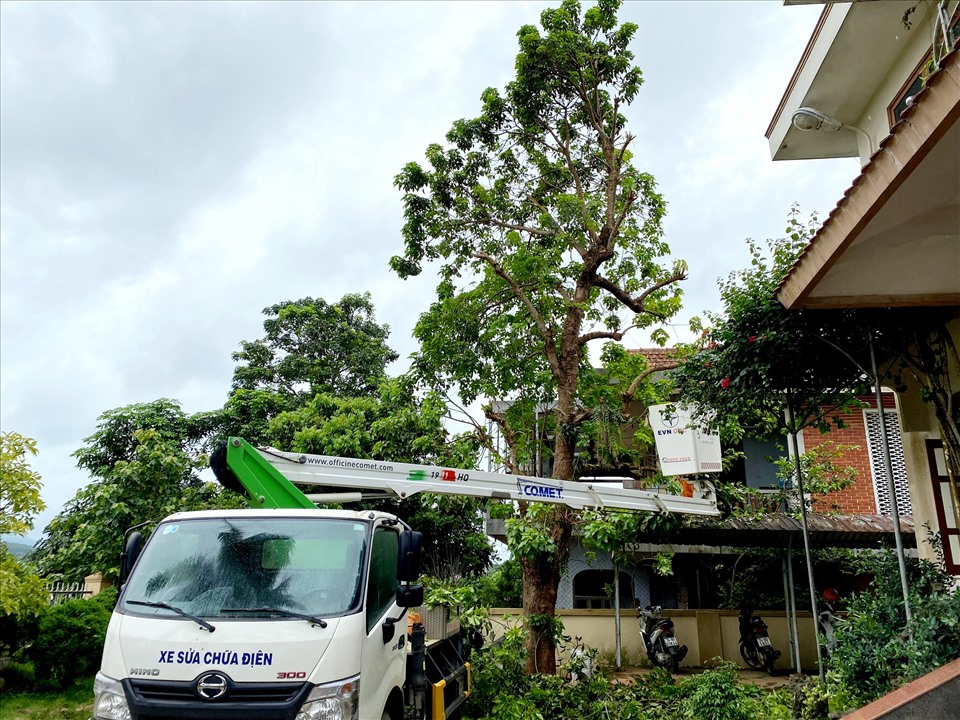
<point x="755" y="646"/>
<point x="663" y="648"/>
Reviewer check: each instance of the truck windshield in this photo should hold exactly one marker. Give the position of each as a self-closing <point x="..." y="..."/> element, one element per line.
<point x="230" y="567"/>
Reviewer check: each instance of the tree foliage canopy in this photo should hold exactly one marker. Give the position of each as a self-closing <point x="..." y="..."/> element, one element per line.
<point x="309" y="347"/>
<point x="19" y="484"/>
<point x="757" y="359"/>
<point x="153" y="473"/>
<point x="547" y="238"/>
<point x="22" y="593"/>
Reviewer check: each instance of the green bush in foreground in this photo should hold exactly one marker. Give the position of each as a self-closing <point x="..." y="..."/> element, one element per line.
<point x="874" y="653"/>
<point x="501" y="691"/>
<point x="69" y="640"/>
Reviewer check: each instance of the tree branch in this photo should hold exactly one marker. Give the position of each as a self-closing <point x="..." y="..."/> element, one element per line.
<point x="628" y="395"/>
<point x="604" y="335"/>
<point x="636" y="304"/>
<point x="550" y="347"/>
<point x="509" y="226"/>
<point x="509" y="436"/>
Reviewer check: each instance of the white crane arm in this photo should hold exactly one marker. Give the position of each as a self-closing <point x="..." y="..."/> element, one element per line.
<point x="404" y="480"/>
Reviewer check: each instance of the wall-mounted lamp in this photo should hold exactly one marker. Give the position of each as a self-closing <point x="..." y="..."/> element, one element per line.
<point x="809" y="119"/>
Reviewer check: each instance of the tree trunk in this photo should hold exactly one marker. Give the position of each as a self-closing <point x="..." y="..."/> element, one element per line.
<point x="541" y="579"/>
<point x="541" y="575"/>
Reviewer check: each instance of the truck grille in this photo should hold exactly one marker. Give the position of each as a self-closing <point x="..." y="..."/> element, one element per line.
<point x="163" y="700"/>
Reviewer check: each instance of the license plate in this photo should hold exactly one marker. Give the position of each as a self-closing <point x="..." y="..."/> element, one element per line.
<point x="763" y="642"/>
<point x="670" y="642"/>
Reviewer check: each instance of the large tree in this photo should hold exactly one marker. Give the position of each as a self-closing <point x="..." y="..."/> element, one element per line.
<point x="145" y="464"/>
<point x="765" y="370"/>
<point x="547" y="238"/>
<point x="396" y="425"/>
<point x="761" y="368"/>
<point x="309" y="346"/>
<point x="22" y="593"/>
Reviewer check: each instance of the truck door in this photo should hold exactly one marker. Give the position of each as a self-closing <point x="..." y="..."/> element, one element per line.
<point x="383" y="663"/>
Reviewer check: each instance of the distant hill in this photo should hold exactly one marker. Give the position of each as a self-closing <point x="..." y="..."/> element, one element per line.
<point x="17" y="548"/>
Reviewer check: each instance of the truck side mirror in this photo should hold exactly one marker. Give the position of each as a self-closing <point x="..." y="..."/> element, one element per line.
<point x="408" y="564"/>
<point x="410" y="596"/>
<point x="128" y="558"/>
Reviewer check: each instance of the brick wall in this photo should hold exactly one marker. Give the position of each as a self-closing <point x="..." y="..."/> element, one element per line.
<point x="859" y="498"/>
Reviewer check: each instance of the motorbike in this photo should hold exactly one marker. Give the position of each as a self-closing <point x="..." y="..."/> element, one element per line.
<point x="663" y="648"/>
<point x="755" y="647"/>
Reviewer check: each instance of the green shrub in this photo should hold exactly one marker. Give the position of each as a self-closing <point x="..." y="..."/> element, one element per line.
<point x="718" y="695"/>
<point x="16" y="633"/>
<point x="502" y="586"/>
<point x="501" y="691"/>
<point x="69" y="640"/>
<point x="874" y="653"/>
<point x="17" y="676"/>
<point x="810" y="699"/>
<point x="106" y="599"/>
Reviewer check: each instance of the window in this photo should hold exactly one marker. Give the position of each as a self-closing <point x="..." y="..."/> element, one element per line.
<point x="382" y="587"/>
<point x="918" y="78"/>
<point x="593" y="590"/>
<point x="227" y="567"/>
<point x="881" y="486"/>
<point x="943" y="501"/>
<point x="760" y="455"/>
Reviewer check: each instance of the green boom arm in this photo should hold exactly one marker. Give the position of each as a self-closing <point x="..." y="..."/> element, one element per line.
<point x="239" y="467"/>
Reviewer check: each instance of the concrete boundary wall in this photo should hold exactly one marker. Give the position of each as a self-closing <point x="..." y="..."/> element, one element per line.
<point x="706" y="633"/>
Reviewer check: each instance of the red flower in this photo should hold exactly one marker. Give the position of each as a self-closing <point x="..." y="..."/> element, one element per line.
<point x="713" y="346"/>
<point x="709" y="364"/>
<point x="753" y="338"/>
<point x="725" y="383"/>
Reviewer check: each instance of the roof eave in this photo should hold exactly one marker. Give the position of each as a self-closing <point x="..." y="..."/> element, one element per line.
<point x="921" y="127"/>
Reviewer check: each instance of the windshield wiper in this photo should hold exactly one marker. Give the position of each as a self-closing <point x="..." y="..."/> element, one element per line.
<point x="182" y="613"/>
<point x="278" y="611"/>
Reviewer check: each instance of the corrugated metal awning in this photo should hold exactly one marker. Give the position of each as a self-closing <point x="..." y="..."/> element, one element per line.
<point x="776" y="530"/>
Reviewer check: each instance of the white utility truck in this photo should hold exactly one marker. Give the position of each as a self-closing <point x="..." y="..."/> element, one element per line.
<point x="290" y="612"/>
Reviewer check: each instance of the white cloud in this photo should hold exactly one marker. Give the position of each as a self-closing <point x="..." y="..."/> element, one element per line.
<point x="171" y="169"/>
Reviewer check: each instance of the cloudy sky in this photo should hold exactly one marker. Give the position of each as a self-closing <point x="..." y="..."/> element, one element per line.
<point x="168" y="170"/>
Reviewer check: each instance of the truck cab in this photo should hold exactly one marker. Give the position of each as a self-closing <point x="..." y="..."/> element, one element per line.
<point x="283" y="614"/>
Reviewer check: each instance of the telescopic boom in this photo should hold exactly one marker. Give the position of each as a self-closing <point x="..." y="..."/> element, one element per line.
<point x="271" y="476"/>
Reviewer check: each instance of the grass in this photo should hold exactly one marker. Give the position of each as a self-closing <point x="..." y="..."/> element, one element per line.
<point x="72" y="703"/>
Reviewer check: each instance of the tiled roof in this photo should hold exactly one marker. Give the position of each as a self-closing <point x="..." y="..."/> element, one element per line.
<point x="659" y="358"/>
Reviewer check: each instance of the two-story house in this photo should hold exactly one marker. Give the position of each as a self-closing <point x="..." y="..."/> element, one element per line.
<point x="880" y="81"/>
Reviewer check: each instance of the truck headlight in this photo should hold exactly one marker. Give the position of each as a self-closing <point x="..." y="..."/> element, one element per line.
<point x="109" y="701"/>
<point x="335" y="701"/>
